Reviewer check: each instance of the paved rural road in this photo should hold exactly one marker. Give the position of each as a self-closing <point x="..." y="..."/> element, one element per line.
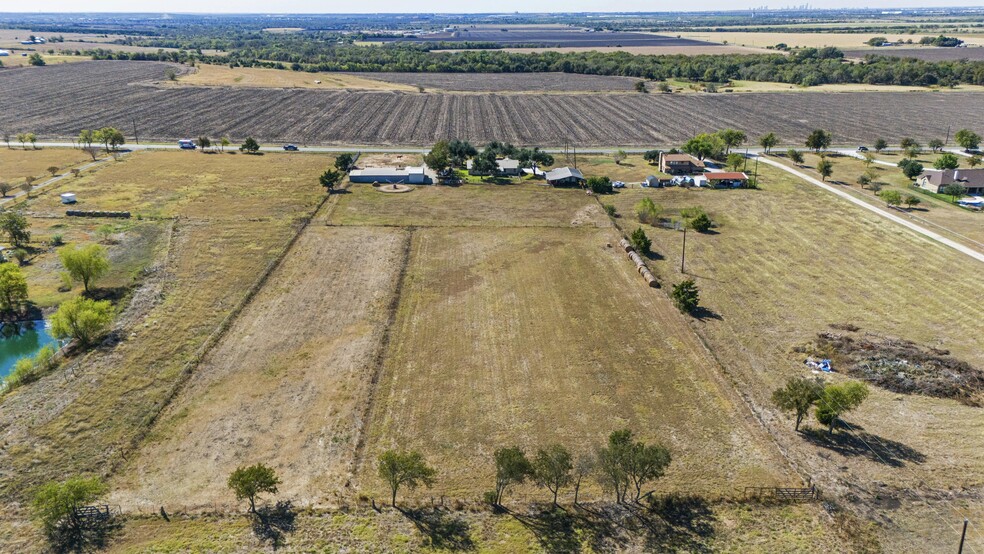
<point x="890" y="216"/>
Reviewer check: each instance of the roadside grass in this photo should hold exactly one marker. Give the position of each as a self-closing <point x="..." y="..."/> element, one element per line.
<point x="289" y="379"/>
<point x="16" y="60"/>
<point x="17" y="163"/>
<point x="224" y="76"/>
<point x="935" y="211"/>
<point x="531" y="336"/>
<point x="632" y="170"/>
<point x="520" y="204"/>
<point x="228" y="186"/>
<point x="787" y="261"/>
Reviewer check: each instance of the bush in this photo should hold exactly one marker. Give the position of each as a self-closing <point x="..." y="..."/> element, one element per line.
<point x="795" y="155"/>
<point x="610" y="210"/>
<point x="648" y="211"/>
<point x="697" y="219"/>
<point x="640" y="241"/>
<point x="685" y="296"/>
<point x="82" y="319"/>
<point x="600" y="185"/>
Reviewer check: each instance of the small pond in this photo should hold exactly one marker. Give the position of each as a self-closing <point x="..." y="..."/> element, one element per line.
<point x="21" y="340"/>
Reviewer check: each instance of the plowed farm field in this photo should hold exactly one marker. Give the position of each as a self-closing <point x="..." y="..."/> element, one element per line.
<point x="95" y="94"/>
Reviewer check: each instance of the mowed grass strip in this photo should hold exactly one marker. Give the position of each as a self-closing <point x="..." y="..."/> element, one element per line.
<point x="193" y="184"/>
<point x="487" y="204"/>
<point x="526" y="337"/>
<point x="286" y="386"/>
<point x="790" y="259"/>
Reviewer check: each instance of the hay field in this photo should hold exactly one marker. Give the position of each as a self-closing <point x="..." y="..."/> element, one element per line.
<point x="526" y="336"/>
<point x="485" y="205"/>
<point x="87" y="420"/>
<point x="790" y="259"/>
<point x="285" y="387"/>
<point x="17" y="163"/>
<point x="224" y="76"/>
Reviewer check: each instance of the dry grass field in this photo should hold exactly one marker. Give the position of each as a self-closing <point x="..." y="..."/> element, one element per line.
<point x="286" y="386"/>
<point x="531" y="336"/>
<point x="783" y="264"/>
<point x="852" y="41"/>
<point x="17" y="163"/>
<point x="199" y="269"/>
<point x="683" y="49"/>
<point x="224" y="76"/>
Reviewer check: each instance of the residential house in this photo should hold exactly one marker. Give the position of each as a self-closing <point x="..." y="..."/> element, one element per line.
<point x="680" y="164"/>
<point x="934" y="180"/>
<point x="565" y="176"/>
<point x="507" y="167"/>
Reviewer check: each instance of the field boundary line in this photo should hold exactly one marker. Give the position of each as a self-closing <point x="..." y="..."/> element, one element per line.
<point x="892" y="217"/>
<point x="380" y="359"/>
<point x="216" y="335"/>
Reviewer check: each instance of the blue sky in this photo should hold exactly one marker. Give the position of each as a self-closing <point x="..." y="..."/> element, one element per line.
<point x="371" y="6"/>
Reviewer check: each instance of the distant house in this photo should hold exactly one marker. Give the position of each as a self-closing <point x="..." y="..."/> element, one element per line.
<point x="680" y="164"/>
<point x="565" y="176"/>
<point x="934" y="180"/>
<point x="35" y="40"/>
<point x="507" y="166"/>
<point x="4" y="52"/>
<point x="411" y="175"/>
<point x="726" y="179"/>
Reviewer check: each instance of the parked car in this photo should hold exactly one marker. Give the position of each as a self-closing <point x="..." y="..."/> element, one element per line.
<point x="290" y="147"/>
<point x="862" y="148"/>
<point x="186" y="144"/>
<point x="618" y="185"/>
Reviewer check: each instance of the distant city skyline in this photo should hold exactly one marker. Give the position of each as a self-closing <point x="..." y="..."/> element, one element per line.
<point x="440" y="6"/>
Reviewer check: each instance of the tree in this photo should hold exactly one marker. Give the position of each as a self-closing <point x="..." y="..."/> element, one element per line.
<point x="648" y="211"/>
<point x="344" y="162"/>
<point x="53" y="170"/>
<point x="795" y="155"/>
<point x="652" y="156"/>
<point x="86" y="137"/>
<point x="6" y="137"/>
<point x="111" y="137"/>
<point x="768" y="142"/>
<point x="911" y="201"/>
<point x="936" y="145"/>
<point x="5" y="187"/>
<point x="685" y="296"/>
<point x="584" y="466"/>
<point x="22" y="139"/>
<point x="867" y="159"/>
<point x="511" y="468"/>
<point x="974" y="161"/>
<point x="640" y="241"/>
<point x="82" y="319"/>
<point x="250" y="146"/>
<point x="55" y="505"/>
<point x="249" y="482"/>
<point x="15" y="226"/>
<point x="330" y="179"/>
<point x="404" y="469"/>
<point x="700" y="222"/>
<point x="204" y="142"/>
<point x="953" y="190"/>
<point x="818" y="140"/>
<point x="907" y="142"/>
<point x="640" y="86"/>
<point x="732" y="138"/>
<point x="460" y="151"/>
<point x="837" y="400"/>
<point x="946" y="160"/>
<point x="92" y="151"/>
<point x="910" y="168"/>
<point x="913" y="151"/>
<point x="825" y="168"/>
<point x="798" y="396"/>
<point x="485" y="163"/>
<point x="33" y="139"/>
<point x="552" y="468"/>
<point x="225" y="142"/>
<point x="600" y="185"/>
<point x="705" y="146"/>
<point x="734" y="161"/>
<point x="624" y="463"/>
<point x="36" y="59"/>
<point x="619" y="156"/>
<point x="880" y="144"/>
<point x="439" y="158"/>
<point x="85" y="263"/>
<point x="13" y="287"/>
<point x="967" y="139"/>
<point x="864" y="179"/>
<point x="528" y="157"/>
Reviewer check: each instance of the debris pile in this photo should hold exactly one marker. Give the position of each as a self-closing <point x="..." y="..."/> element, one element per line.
<point x="640" y="264"/>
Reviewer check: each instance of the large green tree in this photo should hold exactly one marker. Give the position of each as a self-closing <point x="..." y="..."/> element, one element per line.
<point x="248" y="482"/>
<point x="404" y="469"/>
<point x="967" y="139"/>
<point x="838" y="399"/>
<point x="768" y="142"/>
<point x="439" y="157"/>
<point x="704" y="146"/>
<point x="947" y="160"/>
<point x="85" y="263"/>
<point x="552" y="468"/>
<point x="818" y="140"/>
<point x="732" y="138"/>
<point x="13" y="287"/>
<point x="511" y="468"/>
<point x="330" y="179"/>
<point x="55" y="505"/>
<point x="626" y="464"/>
<point x="16" y="228"/>
<point x="685" y="296"/>
<point x="82" y="319"/>
<point x="798" y="396"/>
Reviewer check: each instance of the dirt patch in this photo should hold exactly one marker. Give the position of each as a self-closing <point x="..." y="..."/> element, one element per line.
<point x="902" y="366"/>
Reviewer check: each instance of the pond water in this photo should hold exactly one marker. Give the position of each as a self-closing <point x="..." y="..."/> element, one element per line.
<point x="20" y="340"/>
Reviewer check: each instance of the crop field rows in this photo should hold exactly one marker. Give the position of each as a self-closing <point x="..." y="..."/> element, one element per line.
<point x="552" y="36"/>
<point x="86" y="95"/>
<point x="928" y="54"/>
<point x="507" y="82"/>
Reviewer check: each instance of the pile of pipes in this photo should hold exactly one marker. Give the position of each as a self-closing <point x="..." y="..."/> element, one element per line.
<point x="640" y="264"/>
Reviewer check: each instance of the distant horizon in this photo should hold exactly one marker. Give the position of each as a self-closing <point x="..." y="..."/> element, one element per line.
<point x="505" y="7"/>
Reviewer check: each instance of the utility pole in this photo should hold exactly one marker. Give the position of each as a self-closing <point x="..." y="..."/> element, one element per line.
<point x="683" y="255"/>
<point x="947" y="140"/>
<point x="744" y="167"/>
<point x="756" y="177"/>
<point x="136" y="138"/>
<point x="962" y="537"/>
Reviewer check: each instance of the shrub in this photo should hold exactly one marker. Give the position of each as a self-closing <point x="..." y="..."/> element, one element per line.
<point x="249" y="482"/>
<point x="610" y="210"/>
<point x="648" y="211"/>
<point x="795" y="155"/>
<point x="86" y="263"/>
<point x="600" y="185"/>
<point x="685" y="296"/>
<point x="640" y="241"/>
<point x="82" y="319"/>
<point x="57" y="240"/>
<point x="54" y="504"/>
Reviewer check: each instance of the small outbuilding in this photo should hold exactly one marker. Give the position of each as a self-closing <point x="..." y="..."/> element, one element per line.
<point x="726" y="179"/>
<point x="565" y="176"/>
<point x="68" y="198"/>
<point x="411" y="175"/>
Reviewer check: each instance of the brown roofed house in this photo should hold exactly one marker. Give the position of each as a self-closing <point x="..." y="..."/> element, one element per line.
<point x="934" y="180"/>
<point x="680" y="164"/>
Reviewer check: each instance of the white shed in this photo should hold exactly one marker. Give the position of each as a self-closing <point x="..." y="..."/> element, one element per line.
<point x="68" y="198"/>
